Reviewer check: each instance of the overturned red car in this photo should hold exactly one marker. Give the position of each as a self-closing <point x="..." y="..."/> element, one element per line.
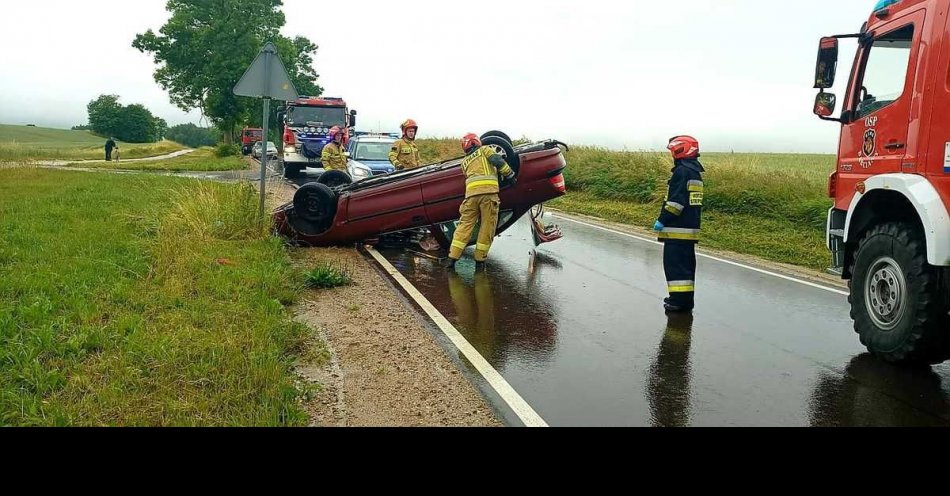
<point x="335" y="211"/>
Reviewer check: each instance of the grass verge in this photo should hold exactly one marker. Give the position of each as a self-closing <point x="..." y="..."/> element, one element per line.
<point x="142" y="301"/>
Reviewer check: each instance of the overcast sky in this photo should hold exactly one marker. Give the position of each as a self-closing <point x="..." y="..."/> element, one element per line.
<point x="623" y="74"/>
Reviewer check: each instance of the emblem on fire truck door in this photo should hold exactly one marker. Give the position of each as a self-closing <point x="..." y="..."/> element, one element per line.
<point x="870" y="142"/>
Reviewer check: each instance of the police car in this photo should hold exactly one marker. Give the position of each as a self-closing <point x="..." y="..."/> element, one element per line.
<point x="369" y="155"/>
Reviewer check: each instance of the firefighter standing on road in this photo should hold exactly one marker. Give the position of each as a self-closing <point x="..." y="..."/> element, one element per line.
<point x="333" y="157"/>
<point x="679" y="224"/>
<point x="481" y="167"/>
<point x="404" y="153"/>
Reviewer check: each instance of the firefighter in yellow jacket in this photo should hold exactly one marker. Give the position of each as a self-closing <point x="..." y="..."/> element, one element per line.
<point x="333" y="156"/>
<point x="481" y="167"/>
<point x="404" y="154"/>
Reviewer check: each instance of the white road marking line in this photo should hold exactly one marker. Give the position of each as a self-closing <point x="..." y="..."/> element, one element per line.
<point x="730" y="262"/>
<point x="494" y="379"/>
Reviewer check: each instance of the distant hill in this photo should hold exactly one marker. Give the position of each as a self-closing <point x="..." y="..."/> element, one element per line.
<point x="42" y="136"/>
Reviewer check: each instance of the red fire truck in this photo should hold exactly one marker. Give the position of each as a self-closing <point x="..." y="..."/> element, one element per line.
<point x="249" y="136"/>
<point x="889" y="229"/>
<point x="307" y="123"/>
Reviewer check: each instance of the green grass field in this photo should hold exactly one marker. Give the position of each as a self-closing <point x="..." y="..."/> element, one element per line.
<point x="132" y="300"/>
<point x="22" y="143"/>
<point x="768" y="205"/>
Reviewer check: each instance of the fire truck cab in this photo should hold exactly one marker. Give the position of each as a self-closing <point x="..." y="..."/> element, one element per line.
<point x="889" y="229"/>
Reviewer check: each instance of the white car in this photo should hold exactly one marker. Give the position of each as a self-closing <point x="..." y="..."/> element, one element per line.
<point x="271" y="150"/>
<point x="354" y="169"/>
<point x="358" y="171"/>
<point x="368" y="156"/>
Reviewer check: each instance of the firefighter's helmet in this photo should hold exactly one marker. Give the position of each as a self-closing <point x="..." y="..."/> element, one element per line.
<point x="684" y="147"/>
<point x="409" y="124"/>
<point x="470" y="142"/>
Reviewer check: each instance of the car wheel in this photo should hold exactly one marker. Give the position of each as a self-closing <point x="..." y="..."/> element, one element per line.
<point x="335" y="178"/>
<point x="315" y="203"/>
<point x="498" y="134"/>
<point x="503" y="147"/>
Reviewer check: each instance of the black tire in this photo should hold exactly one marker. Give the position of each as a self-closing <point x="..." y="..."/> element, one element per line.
<point x="498" y="134"/>
<point x="503" y="147"/>
<point x="335" y="178"/>
<point x="896" y="304"/>
<point x="291" y="170"/>
<point x="315" y="203"/>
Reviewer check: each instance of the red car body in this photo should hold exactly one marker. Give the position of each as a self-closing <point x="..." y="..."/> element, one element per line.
<point x="424" y="197"/>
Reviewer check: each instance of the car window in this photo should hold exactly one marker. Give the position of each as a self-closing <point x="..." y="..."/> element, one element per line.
<point x="886" y="71"/>
<point x="372" y="151"/>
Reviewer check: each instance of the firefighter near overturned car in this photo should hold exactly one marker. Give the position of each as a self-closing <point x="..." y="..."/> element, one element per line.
<point x="335" y="211"/>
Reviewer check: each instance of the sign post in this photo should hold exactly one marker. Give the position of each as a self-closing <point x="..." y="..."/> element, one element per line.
<point x="266" y="78"/>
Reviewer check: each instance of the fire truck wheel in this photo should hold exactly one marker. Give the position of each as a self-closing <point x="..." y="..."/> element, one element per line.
<point x="498" y="134"/>
<point x="334" y="178"/>
<point x="291" y="170"/>
<point x="315" y="203"/>
<point x="504" y="148"/>
<point x="895" y="297"/>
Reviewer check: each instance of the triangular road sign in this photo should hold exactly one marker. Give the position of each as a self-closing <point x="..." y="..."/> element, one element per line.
<point x="267" y="78"/>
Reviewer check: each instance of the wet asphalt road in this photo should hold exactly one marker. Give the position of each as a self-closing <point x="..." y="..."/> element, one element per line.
<point x="579" y="331"/>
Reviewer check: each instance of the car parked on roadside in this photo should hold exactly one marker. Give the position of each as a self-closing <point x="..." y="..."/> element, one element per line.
<point x="372" y="151"/>
<point x="258" y="148"/>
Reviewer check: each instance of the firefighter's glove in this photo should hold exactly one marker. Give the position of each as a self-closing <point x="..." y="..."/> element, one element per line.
<point x="658" y="226"/>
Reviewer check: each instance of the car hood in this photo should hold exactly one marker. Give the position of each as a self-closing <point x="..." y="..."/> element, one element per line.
<point x="377" y="165"/>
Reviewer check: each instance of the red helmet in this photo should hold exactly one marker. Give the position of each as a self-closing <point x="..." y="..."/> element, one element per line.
<point x="334" y="132"/>
<point x="683" y="147"/>
<point x="408" y="124"/>
<point x="470" y="141"/>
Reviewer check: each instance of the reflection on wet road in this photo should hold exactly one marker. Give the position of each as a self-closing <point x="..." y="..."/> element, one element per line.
<point x="579" y="330"/>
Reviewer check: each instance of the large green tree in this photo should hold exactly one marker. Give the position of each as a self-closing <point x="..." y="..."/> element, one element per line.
<point x="132" y="124"/>
<point x="205" y="47"/>
<point x="105" y="115"/>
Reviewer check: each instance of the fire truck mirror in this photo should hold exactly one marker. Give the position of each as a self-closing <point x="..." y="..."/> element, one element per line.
<point x="827" y="63"/>
<point x="825" y="104"/>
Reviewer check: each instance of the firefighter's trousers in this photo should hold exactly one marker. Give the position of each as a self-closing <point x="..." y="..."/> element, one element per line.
<point x="482" y="209"/>
<point x="679" y="263"/>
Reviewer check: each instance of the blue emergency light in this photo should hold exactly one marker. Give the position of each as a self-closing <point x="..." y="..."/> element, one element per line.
<point x="883" y="4"/>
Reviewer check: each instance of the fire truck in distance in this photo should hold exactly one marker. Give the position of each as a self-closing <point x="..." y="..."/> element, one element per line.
<point x="250" y="136"/>
<point x="307" y="122"/>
